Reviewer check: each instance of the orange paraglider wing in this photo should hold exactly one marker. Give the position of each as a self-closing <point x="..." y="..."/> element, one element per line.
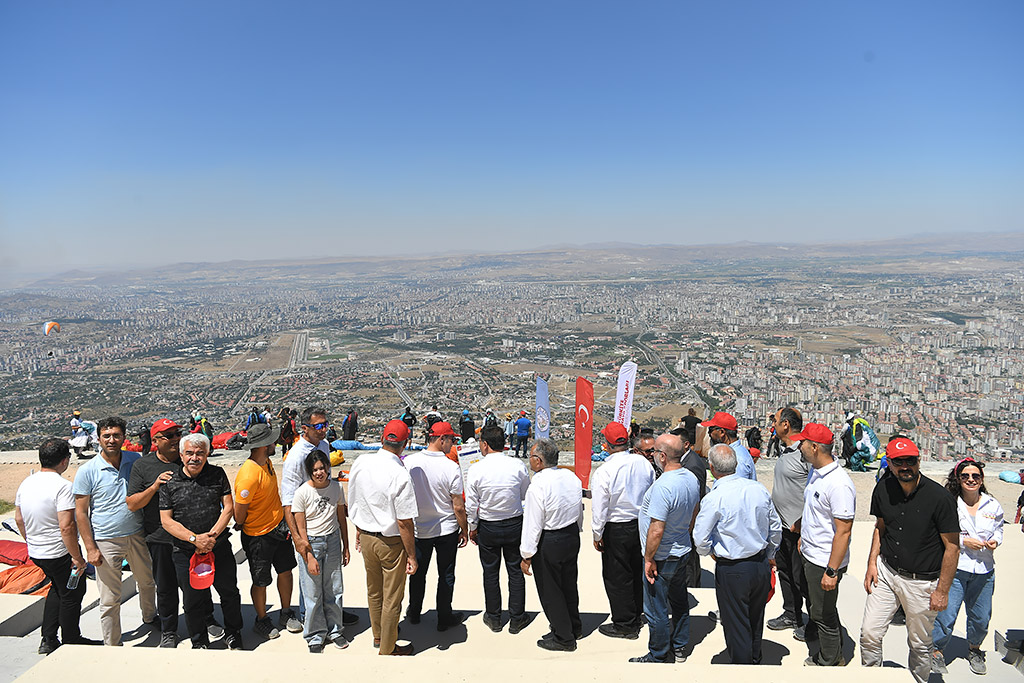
<point x="51" y="327"/>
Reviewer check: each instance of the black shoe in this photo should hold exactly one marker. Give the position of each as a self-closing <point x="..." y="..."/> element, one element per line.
<point x="349" y="618"/>
<point x="781" y="623"/>
<point x="234" y="641"/>
<point x="316" y="649"/>
<point x="614" y="631"/>
<point x="169" y="639"/>
<point x="451" y="622"/>
<point x="679" y="654"/>
<point x="48" y="645"/>
<point x="200" y="646"/>
<point x="214" y="630"/>
<point x="493" y="624"/>
<point x="556" y="646"/>
<point x="413" y="618"/>
<point x="80" y="640"/>
<point x="517" y="625"/>
<point x="649" y="659"/>
<point x="550" y="635"/>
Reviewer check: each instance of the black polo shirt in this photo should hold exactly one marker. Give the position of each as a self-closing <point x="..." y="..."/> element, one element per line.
<point x="196" y="503"/>
<point x="911" y="541"/>
<point x="144" y="472"/>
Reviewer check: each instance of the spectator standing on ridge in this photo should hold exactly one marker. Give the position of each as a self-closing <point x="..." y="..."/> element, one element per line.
<point x="913" y="560"/>
<point x="722" y="429"/>
<point x="495" y="490"/>
<point x="510" y="432"/>
<point x="196" y="509"/>
<point x="552" y="522"/>
<point x="44" y="510"/>
<point x="523" y="426"/>
<point x="111" y="531"/>
<point x="698" y="467"/>
<point x="467" y="428"/>
<point x="350" y="425"/>
<point x="266" y="539"/>
<point x="440" y="523"/>
<point x="618" y="487"/>
<point x="690" y="423"/>
<point x="738" y="526"/>
<point x="382" y="507"/>
<point x="409" y="418"/>
<point x="791" y="472"/>
<point x="489" y="419"/>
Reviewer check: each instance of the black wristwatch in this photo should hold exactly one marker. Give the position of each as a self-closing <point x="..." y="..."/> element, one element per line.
<point x="830" y="573"/>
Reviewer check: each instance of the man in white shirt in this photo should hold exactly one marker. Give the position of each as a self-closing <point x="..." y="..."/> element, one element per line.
<point x="382" y="505"/>
<point x="495" y="489"/>
<point x="440" y="523"/>
<point x="618" y="487"/>
<point x="552" y="520"/>
<point x="830" y="504"/>
<point x="44" y="510"/>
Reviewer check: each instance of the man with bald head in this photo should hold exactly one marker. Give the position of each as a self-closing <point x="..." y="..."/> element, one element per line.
<point x="666" y="517"/>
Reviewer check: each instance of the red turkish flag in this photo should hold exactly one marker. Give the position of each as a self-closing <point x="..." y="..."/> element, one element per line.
<point x="584" y="438"/>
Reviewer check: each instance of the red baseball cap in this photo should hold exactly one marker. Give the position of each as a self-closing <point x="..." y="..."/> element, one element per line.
<point x="723" y="420"/>
<point x="615" y="434"/>
<point x="441" y="429"/>
<point x="162" y="425"/>
<point x="522" y="412"/>
<point x="902" y="447"/>
<point x="201" y="571"/>
<point x="818" y="433"/>
<point x="395" y="431"/>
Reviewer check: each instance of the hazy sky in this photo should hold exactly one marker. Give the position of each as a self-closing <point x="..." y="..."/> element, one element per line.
<point x="195" y="130"/>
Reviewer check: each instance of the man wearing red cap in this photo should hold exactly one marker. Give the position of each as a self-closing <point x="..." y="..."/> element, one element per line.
<point x="382" y="505"/>
<point x="830" y="504"/>
<point x="722" y="428"/>
<point x="441" y="524"/>
<point x="618" y="488"/>
<point x="913" y="558"/>
<point x="523" y="426"/>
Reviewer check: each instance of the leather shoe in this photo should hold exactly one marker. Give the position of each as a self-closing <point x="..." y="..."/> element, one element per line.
<point x="517" y="625"/>
<point x="349" y="618"/>
<point x="403" y="650"/>
<point x="614" y="631"/>
<point x="413" y="618"/>
<point x="454" y="620"/>
<point x="555" y="646"/>
<point x="493" y="624"/>
<point x="48" y="645"/>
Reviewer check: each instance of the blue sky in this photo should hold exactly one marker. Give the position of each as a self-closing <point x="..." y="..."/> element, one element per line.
<point x="215" y="130"/>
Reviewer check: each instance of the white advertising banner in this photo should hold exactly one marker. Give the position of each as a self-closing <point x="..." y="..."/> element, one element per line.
<point x="624" y="393"/>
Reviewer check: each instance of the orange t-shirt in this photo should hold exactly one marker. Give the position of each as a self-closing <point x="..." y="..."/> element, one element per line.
<point x="256" y="487"/>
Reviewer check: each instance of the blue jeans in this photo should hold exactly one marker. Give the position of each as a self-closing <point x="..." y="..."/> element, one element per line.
<point x="974" y="591"/>
<point x="667" y="608"/>
<point x="323" y="593"/>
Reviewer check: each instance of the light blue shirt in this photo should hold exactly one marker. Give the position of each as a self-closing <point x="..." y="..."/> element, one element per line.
<point x="737" y="520"/>
<point x="108" y="488"/>
<point x="670" y="499"/>
<point x="744" y="461"/>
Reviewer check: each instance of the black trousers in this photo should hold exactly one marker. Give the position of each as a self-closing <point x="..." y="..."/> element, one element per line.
<point x="790" y="567"/>
<point x="497" y="540"/>
<point x="199" y="603"/>
<point x="622" y="568"/>
<point x="556" y="571"/>
<point x="166" y="578"/>
<point x="62" y="607"/>
<point x="692" y="570"/>
<point x="742" y="589"/>
<point x="822" y="608"/>
<point x="447" y="547"/>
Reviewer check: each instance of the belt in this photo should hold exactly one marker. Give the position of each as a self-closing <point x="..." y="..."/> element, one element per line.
<point x="753" y="558"/>
<point x="507" y="521"/>
<point x="916" y="576"/>
<point x="375" y="534"/>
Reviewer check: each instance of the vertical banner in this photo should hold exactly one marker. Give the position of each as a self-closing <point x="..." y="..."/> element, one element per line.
<point x="543" y="426"/>
<point x="624" y="393"/>
<point x="584" y="439"/>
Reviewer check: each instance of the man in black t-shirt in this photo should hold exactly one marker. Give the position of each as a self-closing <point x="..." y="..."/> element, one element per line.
<point x="913" y="558"/>
<point x="196" y="509"/>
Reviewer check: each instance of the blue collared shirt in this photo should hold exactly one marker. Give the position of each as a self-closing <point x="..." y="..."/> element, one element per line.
<point x="737" y="520"/>
<point x="107" y="487"/>
<point x="744" y="461"/>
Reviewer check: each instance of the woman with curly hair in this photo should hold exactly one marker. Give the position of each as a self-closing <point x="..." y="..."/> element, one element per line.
<point x="981" y="532"/>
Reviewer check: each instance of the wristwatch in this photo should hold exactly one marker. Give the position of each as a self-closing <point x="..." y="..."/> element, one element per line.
<point x="830" y="573"/>
<point x="192" y="539"/>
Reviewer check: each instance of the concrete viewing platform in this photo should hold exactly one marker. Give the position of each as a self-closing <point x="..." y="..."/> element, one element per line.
<point x="473" y="651"/>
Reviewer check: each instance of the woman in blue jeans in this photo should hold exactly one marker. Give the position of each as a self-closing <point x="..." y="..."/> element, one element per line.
<point x="320" y="510"/>
<point x="981" y="532"/>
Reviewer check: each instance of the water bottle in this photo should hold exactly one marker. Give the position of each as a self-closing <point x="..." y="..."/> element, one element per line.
<point x="73" y="579"/>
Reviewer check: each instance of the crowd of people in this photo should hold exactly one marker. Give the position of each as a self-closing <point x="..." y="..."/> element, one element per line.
<point x="170" y="513"/>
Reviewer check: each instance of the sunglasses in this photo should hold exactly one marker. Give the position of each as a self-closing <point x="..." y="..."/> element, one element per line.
<point x="905" y="461"/>
<point x="971" y="476"/>
<point x="318" y="426"/>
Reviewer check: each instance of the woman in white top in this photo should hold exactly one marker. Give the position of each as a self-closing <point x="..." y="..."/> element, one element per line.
<point x="320" y="518"/>
<point x="981" y="532"/>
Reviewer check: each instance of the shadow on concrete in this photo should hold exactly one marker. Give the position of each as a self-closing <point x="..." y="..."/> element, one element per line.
<point x="425" y="636"/>
<point x="771" y="654"/>
<point x="700" y="628"/>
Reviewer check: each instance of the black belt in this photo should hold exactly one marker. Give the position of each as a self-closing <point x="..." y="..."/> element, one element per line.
<point x="753" y="558"/>
<point x="509" y="521"/>
<point x="916" y="576"/>
<point x="375" y="534"/>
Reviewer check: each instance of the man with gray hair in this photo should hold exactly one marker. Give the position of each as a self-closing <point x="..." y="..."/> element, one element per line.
<point x="552" y="520"/>
<point x="739" y="527"/>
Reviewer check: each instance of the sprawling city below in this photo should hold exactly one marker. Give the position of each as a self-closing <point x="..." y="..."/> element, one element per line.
<point x="921" y="337"/>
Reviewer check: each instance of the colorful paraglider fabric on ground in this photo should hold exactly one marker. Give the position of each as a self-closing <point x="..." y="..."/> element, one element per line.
<point x="51" y="327"/>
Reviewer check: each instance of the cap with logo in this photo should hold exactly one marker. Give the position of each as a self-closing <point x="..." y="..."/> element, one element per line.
<point x="395" y="431"/>
<point x="901" y="447"/>
<point x="162" y="425"/>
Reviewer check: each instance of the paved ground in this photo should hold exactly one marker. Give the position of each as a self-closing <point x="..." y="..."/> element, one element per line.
<point x="512" y="657"/>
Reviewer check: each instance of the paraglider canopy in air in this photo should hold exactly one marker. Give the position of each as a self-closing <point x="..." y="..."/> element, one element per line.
<point x="51" y="327"/>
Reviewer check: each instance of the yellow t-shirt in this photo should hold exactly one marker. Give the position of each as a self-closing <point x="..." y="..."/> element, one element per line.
<point x="256" y="487"/>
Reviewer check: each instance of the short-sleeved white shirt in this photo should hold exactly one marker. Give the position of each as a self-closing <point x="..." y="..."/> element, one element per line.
<point x="435" y="479"/>
<point x="293" y="472"/>
<point x="320" y="506"/>
<point x="380" y="493"/>
<point x="830" y="495"/>
<point x="40" y="498"/>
